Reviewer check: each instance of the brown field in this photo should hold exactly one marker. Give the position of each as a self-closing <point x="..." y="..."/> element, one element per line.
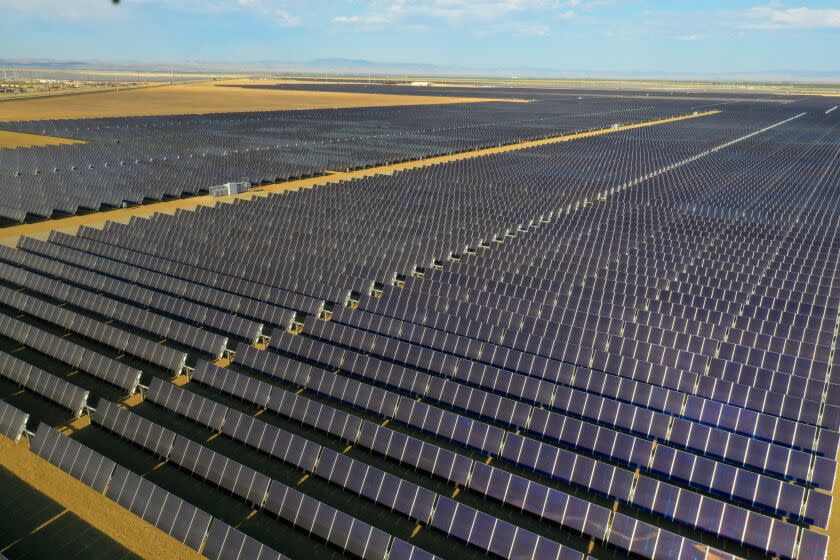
<point x="9" y="139"/>
<point x="181" y="99"/>
<point x="71" y="91"/>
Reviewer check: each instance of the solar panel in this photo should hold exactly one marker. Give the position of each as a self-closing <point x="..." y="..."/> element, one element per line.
<point x="401" y="550"/>
<point x="226" y="543"/>
<point x="374" y="484"/>
<point x="493" y="535"/>
<point x="278" y="443"/>
<point x="137" y="429"/>
<point x="170" y="514"/>
<point x="12" y="421"/>
<point x="72" y="457"/>
<point x="327" y="523"/>
<point x="218" y="469"/>
<point x="204" y="411"/>
<point x="812" y="545"/>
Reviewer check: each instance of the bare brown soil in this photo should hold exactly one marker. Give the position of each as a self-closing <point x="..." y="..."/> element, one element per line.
<point x="206" y="97"/>
<point x="10" y="139"/>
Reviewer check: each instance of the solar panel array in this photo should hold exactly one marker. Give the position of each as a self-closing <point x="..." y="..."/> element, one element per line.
<point x="130" y="160"/>
<point x="616" y="346"/>
<point x="502" y="91"/>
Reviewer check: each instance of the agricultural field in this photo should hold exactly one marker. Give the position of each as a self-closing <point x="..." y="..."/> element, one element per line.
<point x="9" y="139"/>
<point x="440" y="323"/>
<point x="191" y="98"/>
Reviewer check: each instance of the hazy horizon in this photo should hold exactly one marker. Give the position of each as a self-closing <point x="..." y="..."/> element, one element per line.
<point x="596" y="38"/>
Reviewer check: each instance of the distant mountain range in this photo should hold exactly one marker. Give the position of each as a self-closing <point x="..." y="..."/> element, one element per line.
<point x="403" y="69"/>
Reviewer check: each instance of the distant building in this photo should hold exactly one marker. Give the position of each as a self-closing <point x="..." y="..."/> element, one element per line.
<point x="229" y="188"/>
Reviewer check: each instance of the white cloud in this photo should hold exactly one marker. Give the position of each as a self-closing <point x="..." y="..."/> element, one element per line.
<point x="275" y="11"/>
<point x="272" y="10"/>
<point x="367" y="21"/>
<point x="285" y="19"/>
<point x="776" y="17"/>
<point x="104" y="10"/>
<point x="518" y="17"/>
<point x="533" y="30"/>
<point x="697" y="25"/>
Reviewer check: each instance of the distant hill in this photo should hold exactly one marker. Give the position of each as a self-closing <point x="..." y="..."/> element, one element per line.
<point x="363" y="66"/>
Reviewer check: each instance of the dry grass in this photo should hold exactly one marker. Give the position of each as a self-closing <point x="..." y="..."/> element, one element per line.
<point x="207" y="97"/>
<point x="833" y="521"/>
<point x="9" y="139"/>
<point x="121" y="525"/>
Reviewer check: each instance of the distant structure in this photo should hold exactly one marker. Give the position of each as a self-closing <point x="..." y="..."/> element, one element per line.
<point x="229" y="188"/>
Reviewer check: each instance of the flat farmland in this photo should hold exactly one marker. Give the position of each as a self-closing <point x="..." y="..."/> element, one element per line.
<point x="182" y="99"/>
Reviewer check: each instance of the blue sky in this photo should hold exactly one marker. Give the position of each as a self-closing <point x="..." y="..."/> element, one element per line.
<point x="599" y="36"/>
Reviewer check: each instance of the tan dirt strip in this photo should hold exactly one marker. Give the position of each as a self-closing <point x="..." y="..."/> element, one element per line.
<point x="41" y="230"/>
<point x="94" y="508"/>
<point x="833" y="519"/>
<point x="204" y="98"/>
<point x="10" y="140"/>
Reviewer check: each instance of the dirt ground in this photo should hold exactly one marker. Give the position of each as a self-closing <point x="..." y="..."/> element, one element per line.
<point x="9" y="139"/>
<point x="206" y="97"/>
<point x="94" y="508"/>
<point x="833" y="522"/>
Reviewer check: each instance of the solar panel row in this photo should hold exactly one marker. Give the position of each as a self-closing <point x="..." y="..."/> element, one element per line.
<point x="225" y="301"/>
<point x="548" y="503"/>
<point x="396" y="494"/>
<point x="72" y="354"/>
<point x="440" y="345"/>
<point x="72" y="457"/>
<point x="226" y="543"/>
<point x="419" y="454"/>
<point x="596" y="476"/>
<point x="87" y="327"/>
<point x="195" y="528"/>
<point x="111" y="307"/>
<point x="213" y="467"/>
<point x="45" y="384"/>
